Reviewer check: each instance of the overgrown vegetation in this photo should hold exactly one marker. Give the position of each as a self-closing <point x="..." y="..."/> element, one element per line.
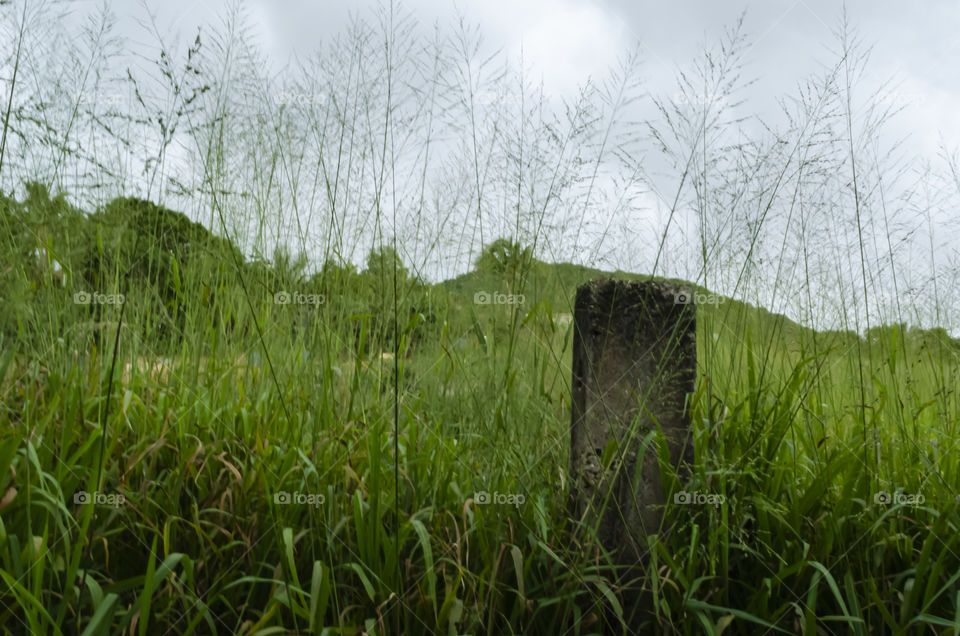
<point x="197" y="438"/>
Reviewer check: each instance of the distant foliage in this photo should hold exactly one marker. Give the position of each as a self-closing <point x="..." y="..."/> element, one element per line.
<point x="505" y="258"/>
<point x="131" y="247"/>
<point x="42" y="237"/>
<point x="149" y="251"/>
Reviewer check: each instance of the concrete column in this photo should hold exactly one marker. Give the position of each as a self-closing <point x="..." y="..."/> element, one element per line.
<point x="634" y="365"/>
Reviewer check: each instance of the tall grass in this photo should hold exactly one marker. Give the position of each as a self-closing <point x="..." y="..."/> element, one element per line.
<point x="259" y="466"/>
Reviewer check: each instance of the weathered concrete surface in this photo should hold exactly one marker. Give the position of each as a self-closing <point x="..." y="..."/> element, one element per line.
<point x="634" y="364"/>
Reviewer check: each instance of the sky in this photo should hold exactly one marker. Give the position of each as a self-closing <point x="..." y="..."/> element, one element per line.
<point x="914" y="53"/>
<point x="567" y="41"/>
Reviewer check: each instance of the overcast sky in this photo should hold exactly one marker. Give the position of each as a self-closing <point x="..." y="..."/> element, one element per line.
<point x="914" y="52"/>
<point x="568" y="40"/>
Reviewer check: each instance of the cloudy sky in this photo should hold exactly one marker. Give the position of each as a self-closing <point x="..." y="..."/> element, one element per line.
<point x="914" y="54"/>
<point x="567" y="41"/>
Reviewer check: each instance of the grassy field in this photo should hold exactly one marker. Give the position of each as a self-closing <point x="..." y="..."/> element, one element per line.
<point x="332" y="393"/>
<point x="273" y="467"/>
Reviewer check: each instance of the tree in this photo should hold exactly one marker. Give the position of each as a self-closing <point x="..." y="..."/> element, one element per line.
<point x="505" y="258"/>
<point x="381" y="264"/>
<point x="152" y="252"/>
